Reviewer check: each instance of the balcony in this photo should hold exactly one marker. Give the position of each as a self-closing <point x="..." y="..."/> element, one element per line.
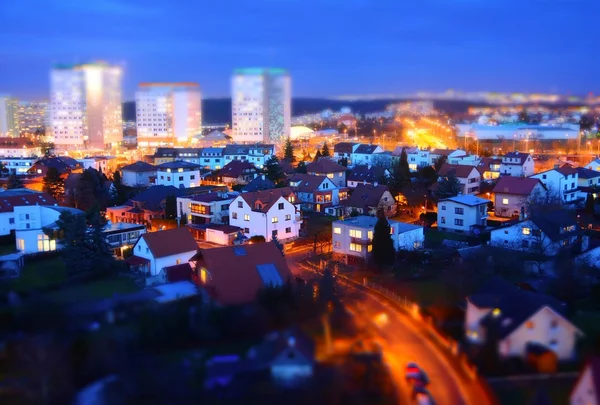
<point x="360" y="241"/>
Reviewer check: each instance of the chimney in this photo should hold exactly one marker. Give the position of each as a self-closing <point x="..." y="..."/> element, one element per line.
<point x="557" y="166"/>
<point x="522" y="214"/>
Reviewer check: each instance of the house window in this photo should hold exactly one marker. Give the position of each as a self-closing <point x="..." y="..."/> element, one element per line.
<point x="458" y="222"/>
<point x="355" y="233"/>
<point x="443" y="220"/>
<point x="246" y="217"/>
<point x="178" y="261"/>
<point x="246" y="230"/>
<point x="180" y="178"/>
<point x="392" y="230"/>
<point x="139" y="248"/>
<point x="354" y="247"/>
<point x="288" y="217"/>
<point x="224" y="207"/>
<point x="529" y="325"/>
<point x="459" y="211"/>
<point x="443" y="208"/>
<point x="288" y="230"/>
<point x="337" y="230"/>
<point x="330" y="175"/>
<point x="369" y="248"/>
<point x="274" y="233"/>
<point x="147" y="250"/>
<point x="21" y="244"/>
<point x="234" y="215"/>
<point x="505" y="201"/>
<point x="280" y="206"/>
<point x="554" y="324"/>
<point x="526" y="231"/>
<point x="274" y="220"/>
<point x="240" y="204"/>
<point x="11" y="220"/>
<point x="553" y="342"/>
<point x="544" y="176"/>
<point x="370" y="235"/>
<point x="336" y="244"/>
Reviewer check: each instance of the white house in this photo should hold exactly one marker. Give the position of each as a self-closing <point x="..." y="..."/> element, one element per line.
<point x="205" y="208"/>
<point x="121" y="235"/>
<point x="514" y="194"/>
<point x="517" y="164"/>
<point x="462" y="213"/>
<point x="588" y="181"/>
<point x="9" y="199"/>
<point x="257" y="154"/>
<point x="180" y="174"/>
<point x="19" y="147"/>
<point x="30" y="223"/>
<point x="543" y="233"/>
<point x="154" y="251"/>
<point x="138" y="174"/>
<point x="18" y="165"/>
<point x="587" y="388"/>
<point x="466" y="160"/>
<point x="468" y="176"/>
<point x="345" y="150"/>
<point x="561" y="183"/>
<point x="327" y="167"/>
<point x="593" y="165"/>
<point x="450" y="154"/>
<point x="353" y="236"/>
<point x="368" y="199"/>
<point x="212" y="158"/>
<point x="267" y="213"/>
<point x="316" y="193"/>
<point x="516" y="319"/>
<point x="367" y="155"/>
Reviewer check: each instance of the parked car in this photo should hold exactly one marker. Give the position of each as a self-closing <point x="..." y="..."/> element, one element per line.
<point x="415" y="375"/>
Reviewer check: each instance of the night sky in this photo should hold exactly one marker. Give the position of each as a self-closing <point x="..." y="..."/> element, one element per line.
<point x="330" y="47"/>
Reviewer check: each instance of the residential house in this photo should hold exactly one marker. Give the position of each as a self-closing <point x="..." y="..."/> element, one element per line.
<point x="214" y="138"/>
<point x="260" y="182"/>
<point x="561" y="183"/>
<point x="257" y="154"/>
<point x="363" y="174"/>
<point x="235" y="275"/>
<point x="18" y="165"/>
<point x="594" y="165"/>
<point x="587" y="388"/>
<point x="417" y="158"/>
<point x="178" y="173"/>
<point x="463" y="213"/>
<point x="327" y="167"/>
<point x="513" y="194"/>
<point x="220" y="234"/>
<point x="466" y="160"/>
<point x="450" y="154"/>
<point x="138" y="174"/>
<point x="155" y="251"/>
<point x="543" y="233"/>
<point x="588" y="181"/>
<point x="144" y="207"/>
<point x="237" y="172"/>
<point x="104" y="164"/>
<point x="9" y="199"/>
<point x="354" y="236"/>
<point x="267" y="213"/>
<point x="166" y="155"/>
<point x="517" y="319"/>
<point x="345" y="150"/>
<point x="63" y="164"/>
<point x="19" y="147"/>
<point x="370" y="155"/>
<point x="212" y="158"/>
<point x="121" y="235"/>
<point x="468" y="176"/>
<point x="316" y="193"/>
<point x="205" y="208"/>
<point x="30" y="223"/>
<point x="489" y="168"/>
<point x="368" y="199"/>
<point x="517" y="164"/>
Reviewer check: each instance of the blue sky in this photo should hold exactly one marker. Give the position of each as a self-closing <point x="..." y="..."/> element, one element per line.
<point x="330" y="47"/>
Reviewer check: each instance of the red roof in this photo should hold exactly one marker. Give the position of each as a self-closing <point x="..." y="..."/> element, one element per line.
<point x="136" y="260"/>
<point x="170" y="242"/>
<point x="462" y="171"/>
<point x="234" y="272"/>
<point x="324" y="166"/>
<point x="10" y="199"/>
<point x="516" y="185"/>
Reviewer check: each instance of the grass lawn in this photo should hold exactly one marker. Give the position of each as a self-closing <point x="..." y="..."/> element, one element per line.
<point x="36" y="274"/>
<point x="523" y="392"/>
<point x="94" y="290"/>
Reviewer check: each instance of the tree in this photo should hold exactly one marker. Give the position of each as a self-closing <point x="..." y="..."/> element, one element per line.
<point x="288" y="150"/>
<point x="120" y="195"/>
<point x="523" y="116"/>
<point x="325" y="150"/>
<point x="171" y="207"/>
<point x="383" y="252"/>
<point x="257" y="239"/>
<point x="301" y="168"/>
<point x="3" y="170"/>
<point x="448" y="186"/>
<point x="88" y="190"/>
<point x="589" y="204"/>
<point x="344" y="161"/>
<point x="273" y="170"/>
<point x="13" y="181"/>
<point x="278" y="244"/>
<point x="404" y="169"/>
<point x="428" y="174"/>
<point x="317" y="156"/>
<point x="439" y="163"/>
<point x="54" y="184"/>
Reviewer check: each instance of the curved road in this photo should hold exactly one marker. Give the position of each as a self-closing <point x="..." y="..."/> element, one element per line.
<point x="404" y="340"/>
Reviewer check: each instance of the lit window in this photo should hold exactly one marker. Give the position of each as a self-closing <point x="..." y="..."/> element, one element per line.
<point x="337" y="230"/>
<point x="526" y="231"/>
<point x="505" y="201"/>
<point x="354" y="247"/>
<point x="529" y="325"/>
<point x="246" y="217"/>
<point x="274" y="220"/>
<point x="355" y="233"/>
<point x="496" y="312"/>
<point x="370" y="235"/>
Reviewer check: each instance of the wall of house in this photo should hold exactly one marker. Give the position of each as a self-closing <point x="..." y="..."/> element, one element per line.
<point x="184" y="179"/>
<point x="512" y="237"/>
<point x="560" y="338"/>
<point x="259" y="223"/>
<point x="409" y="240"/>
<point x="214" y="236"/>
<point x="508" y="205"/>
<point x="559" y="185"/>
<point x="584" y="392"/>
<point x="7" y="222"/>
<point x="219" y="210"/>
<point x="447" y="216"/>
<point x="473" y="316"/>
<point x="341" y="239"/>
<point x="133" y="179"/>
<point x="388" y="204"/>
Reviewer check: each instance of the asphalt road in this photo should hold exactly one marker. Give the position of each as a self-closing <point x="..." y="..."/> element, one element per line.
<point x="403" y="341"/>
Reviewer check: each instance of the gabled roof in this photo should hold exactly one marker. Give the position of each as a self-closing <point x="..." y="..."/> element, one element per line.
<point x="63" y="164"/>
<point x="153" y="197"/>
<point x="566" y="170"/>
<point x="445" y="152"/>
<point x="593" y="365"/>
<point x="216" y="135"/>
<point x="365" y="196"/>
<point x="468" y="199"/>
<point x="587" y="173"/>
<point x="266" y="197"/>
<point x="260" y="182"/>
<point x="238" y="273"/>
<point x="307" y="183"/>
<point x="236" y="168"/>
<point x="324" y="166"/>
<point x="521" y="156"/>
<point x="170" y="242"/>
<point x="212" y="197"/>
<point x="460" y="171"/>
<point x="22" y="197"/>
<point x="552" y="222"/>
<point x="344" y="147"/>
<point x="178" y="164"/>
<point x="485" y="164"/>
<point x="366" y="149"/>
<point x="516" y="185"/>
<point x="139" y="167"/>
<point x="364" y="173"/>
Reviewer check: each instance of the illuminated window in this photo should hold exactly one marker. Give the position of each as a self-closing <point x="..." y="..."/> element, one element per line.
<point x="337" y="230"/>
<point x="505" y="201"/>
<point x="274" y="220"/>
<point x="246" y="217"/>
<point x="529" y="325"/>
<point x="45" y="244"/>
<point x="203" y="276"/>
<point x="370" y="235"/>
<point x="526" y="231"/>
<point x="354" y="247"/>
<point x="288" y="217"/>
<point x="355" y="233"/>
<point x="496" y="312"/>
<point x="369" y="248"/>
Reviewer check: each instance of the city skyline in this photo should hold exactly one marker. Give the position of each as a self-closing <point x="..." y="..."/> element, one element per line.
<point x="359" y="49"/>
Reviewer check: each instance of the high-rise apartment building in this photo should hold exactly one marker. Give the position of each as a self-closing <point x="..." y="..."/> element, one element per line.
<point x="261" y="105"/>
<point x="33" y="117"/>
<point x="85" y="105"/>
<point x="9" y="117"/>
<point x="167" y="113"/>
